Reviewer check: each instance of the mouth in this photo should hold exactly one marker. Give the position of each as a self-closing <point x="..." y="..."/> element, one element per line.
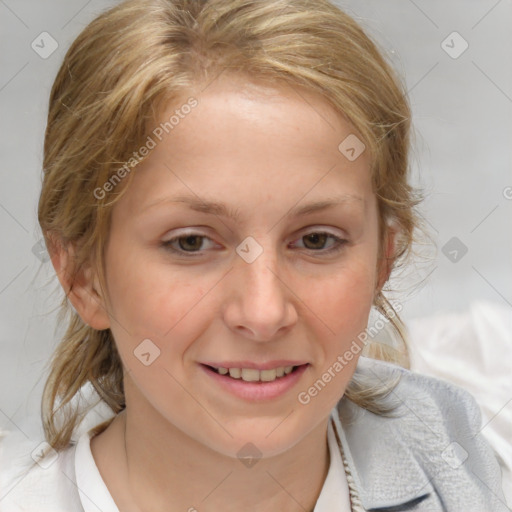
<point x="255" y="385"/>
<point x="253" y="374"/>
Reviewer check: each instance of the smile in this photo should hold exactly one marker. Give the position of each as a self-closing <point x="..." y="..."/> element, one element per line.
<point x="255" y="375"/>
<point x="255" y="384"/>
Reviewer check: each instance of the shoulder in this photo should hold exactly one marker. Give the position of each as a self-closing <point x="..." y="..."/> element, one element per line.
<point x="425" y="408"/>
<point x="29" y="481"/>
<point x="431" y="438"/>
<point x="440" y="400"/>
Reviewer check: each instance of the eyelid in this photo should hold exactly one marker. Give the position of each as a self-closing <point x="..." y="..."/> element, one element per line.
<point x="338" y="245"/>
<point x="167" y="243"/>
<point x="339" y="242"/>
<point x="303" y="232"/>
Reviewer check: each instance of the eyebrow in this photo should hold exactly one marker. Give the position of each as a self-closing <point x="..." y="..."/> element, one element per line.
<point x="215" y="208"/>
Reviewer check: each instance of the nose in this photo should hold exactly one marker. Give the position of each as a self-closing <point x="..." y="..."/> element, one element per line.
<point x="260" y="301"/>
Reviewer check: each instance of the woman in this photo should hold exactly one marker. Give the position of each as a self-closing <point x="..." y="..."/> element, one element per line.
<point x="225" y="196"/>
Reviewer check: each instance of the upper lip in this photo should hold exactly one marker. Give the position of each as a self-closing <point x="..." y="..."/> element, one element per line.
<point x="268" y="365"/>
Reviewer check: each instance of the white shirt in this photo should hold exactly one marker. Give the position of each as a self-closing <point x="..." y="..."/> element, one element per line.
<point x="72" y="482"/>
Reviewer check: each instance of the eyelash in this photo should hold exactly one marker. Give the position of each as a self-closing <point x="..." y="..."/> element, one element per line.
<point x="339" y="244"/>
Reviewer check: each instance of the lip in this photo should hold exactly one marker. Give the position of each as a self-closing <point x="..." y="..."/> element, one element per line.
<point x="256" y="391"/>
<point x="269" y="365"/>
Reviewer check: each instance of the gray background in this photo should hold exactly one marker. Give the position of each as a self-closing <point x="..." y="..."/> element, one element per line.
<point x="462" y="111"/>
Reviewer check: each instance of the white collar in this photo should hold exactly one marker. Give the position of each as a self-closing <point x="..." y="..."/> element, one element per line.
<point x="94" y="494"/>
<point x="334" y="496"/>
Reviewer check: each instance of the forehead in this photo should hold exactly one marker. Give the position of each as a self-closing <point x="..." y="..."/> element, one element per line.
<point x="251" y="143"/>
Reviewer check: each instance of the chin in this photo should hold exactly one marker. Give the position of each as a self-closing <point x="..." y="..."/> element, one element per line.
<point x="262" y="438"/>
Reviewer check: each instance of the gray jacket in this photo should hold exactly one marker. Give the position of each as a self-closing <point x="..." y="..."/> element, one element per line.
<point x="430" y="457"/>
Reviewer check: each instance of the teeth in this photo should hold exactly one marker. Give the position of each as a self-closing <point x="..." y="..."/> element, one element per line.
<point x="250" y="374"/>
<point x="236" y="373"/>
<point x="253" y="375"/>
<point x="268" y="375"/>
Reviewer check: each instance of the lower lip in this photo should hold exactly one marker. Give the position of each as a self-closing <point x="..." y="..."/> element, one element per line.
<point x="257" y="391"/>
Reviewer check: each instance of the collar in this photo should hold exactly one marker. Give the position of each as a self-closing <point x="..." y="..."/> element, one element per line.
<point x="334" y="496"/>
<point x="92" y="490"/>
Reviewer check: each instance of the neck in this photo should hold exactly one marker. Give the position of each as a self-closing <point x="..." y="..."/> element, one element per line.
<point x="161" y="468"/>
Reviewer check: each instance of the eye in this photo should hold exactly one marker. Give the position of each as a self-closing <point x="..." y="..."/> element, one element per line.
<point x="187" y="243"/>
<point x="315" y="241"/>
<point x="191" y="244"/>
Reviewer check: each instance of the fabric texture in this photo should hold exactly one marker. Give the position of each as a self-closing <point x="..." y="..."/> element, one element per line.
<point x="428" y="456"/>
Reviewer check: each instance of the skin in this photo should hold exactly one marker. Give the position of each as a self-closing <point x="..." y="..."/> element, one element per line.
<point x="262" y="151"/>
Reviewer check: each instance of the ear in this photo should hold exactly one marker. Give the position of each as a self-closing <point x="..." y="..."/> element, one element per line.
<point x="84" y="292"/>
<point x="385" y="264"/>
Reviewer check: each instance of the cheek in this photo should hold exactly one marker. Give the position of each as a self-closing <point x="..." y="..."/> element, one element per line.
<point x="341" y="307"/>
<point x="151" y="300"/>
<point x="343" y="300"/>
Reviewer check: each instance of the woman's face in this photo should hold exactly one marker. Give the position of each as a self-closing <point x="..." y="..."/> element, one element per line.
<point x="220" y="255"/>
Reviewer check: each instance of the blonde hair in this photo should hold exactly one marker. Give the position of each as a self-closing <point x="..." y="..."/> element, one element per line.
<point x="140" y="54"/>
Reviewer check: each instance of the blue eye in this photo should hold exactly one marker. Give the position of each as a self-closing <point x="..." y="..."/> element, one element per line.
<point x="190" y="244"/>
